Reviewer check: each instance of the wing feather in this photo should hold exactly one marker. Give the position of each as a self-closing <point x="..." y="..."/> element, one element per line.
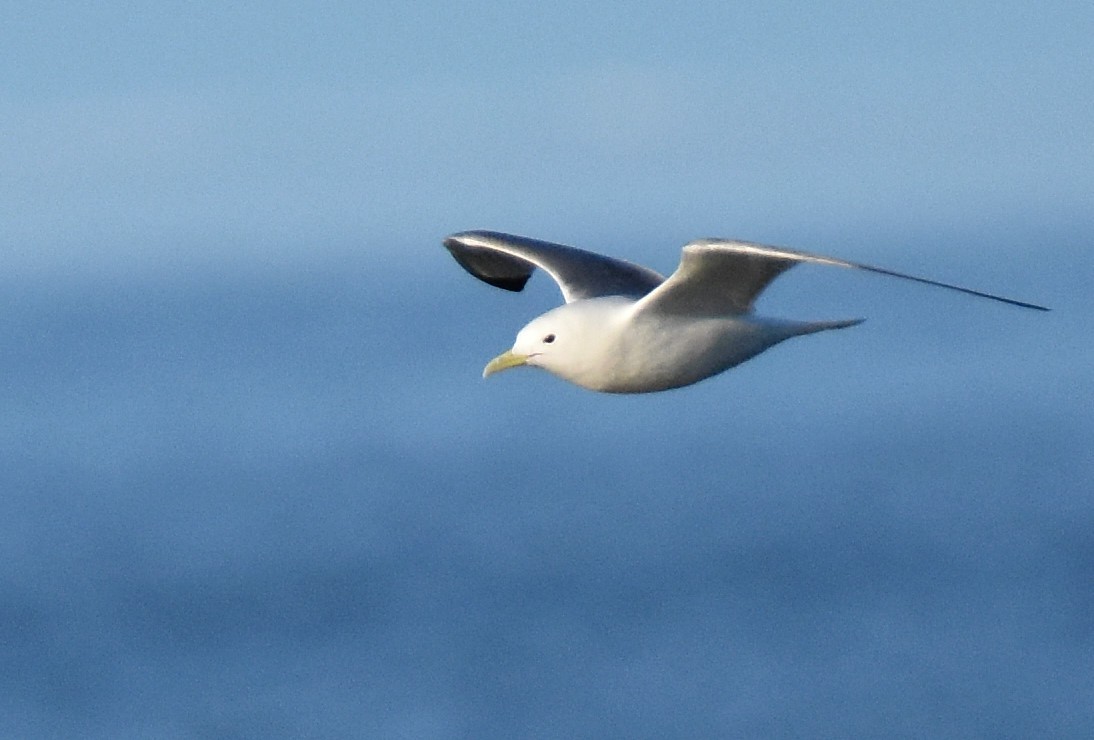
<point x="507" y="261"/>
<point x="724" y="277"/>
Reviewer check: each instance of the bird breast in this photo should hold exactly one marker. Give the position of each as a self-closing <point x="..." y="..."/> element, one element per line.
<point x="654" y="356"/>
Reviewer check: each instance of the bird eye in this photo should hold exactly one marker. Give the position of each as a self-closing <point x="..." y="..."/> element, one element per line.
<point x="549" y="338"/>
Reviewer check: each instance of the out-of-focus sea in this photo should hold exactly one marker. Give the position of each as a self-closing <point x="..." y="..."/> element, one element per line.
<point x="280" y="501"/>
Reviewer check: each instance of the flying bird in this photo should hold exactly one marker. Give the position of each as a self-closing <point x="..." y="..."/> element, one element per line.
<point x="626" y="329"/>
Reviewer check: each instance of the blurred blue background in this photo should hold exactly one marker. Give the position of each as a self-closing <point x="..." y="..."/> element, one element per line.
<point x="251" y="484"/>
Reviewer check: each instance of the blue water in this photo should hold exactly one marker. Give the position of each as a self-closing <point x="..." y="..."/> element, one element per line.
<point x="248" y="502"/>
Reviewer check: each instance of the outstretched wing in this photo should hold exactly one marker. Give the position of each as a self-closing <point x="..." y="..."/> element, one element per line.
<point x="721" y="276"/>
<point x="507" y="261"/>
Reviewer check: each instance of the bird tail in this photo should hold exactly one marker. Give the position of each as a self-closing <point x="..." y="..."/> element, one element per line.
<point x="814" y="326"/>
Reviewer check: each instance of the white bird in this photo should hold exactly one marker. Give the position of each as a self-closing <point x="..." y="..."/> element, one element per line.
<point x="626" y="329"/>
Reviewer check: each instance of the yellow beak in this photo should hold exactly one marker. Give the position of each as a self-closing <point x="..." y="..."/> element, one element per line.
<point x="504" y="361"/>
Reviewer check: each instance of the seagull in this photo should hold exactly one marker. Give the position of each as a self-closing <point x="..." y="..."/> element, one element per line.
<point x="626" y="329"/>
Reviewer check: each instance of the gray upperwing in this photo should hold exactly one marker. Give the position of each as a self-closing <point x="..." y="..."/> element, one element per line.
<point x="717" y="277"/>
<point x="507" y="261"/>
<point x="720" y="276"/>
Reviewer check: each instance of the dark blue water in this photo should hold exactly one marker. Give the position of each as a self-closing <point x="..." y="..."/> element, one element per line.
<point x="281" y="502"/>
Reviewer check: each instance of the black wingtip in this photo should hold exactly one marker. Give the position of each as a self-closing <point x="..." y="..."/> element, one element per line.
<point x="493" y="268"/>
<point x="515" y="285"/>
<point x="950" y="286"/>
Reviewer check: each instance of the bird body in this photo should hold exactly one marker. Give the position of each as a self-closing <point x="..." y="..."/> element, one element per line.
<point x="626" y="329"/>
<point x="604" y="344"/>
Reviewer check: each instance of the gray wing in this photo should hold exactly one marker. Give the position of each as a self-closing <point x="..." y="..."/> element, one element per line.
<point x="507" y="261"/>
<point x="721" y="276"/>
